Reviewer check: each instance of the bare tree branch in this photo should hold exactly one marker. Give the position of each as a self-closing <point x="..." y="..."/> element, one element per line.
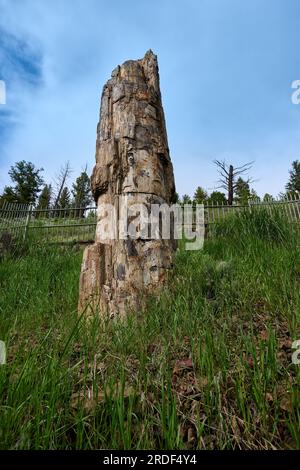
<point x="60" y="181"/>
<point x="222" y="166"/>
<point x="228" y="180"/>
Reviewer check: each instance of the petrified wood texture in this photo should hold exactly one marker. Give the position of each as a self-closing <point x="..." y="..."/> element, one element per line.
<point x="132" y="166"/>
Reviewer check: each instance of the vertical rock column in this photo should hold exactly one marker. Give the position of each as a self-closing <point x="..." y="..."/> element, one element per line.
<point x="133" y="166"/>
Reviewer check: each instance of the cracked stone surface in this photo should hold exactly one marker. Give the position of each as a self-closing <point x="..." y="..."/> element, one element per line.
<point x="133" y="166"/>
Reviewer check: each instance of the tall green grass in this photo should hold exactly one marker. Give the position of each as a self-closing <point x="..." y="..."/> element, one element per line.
<point x="206" y="366"/>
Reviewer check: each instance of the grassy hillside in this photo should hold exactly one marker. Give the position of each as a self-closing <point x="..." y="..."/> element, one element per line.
<point x="207" y="366"/>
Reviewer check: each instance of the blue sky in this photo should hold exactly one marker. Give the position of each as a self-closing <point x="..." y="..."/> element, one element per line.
<point x="226" y="69"/>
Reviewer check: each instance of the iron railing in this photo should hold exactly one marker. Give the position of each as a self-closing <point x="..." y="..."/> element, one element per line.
<point x="71" y="225"/>
<point x="78" y="224"/>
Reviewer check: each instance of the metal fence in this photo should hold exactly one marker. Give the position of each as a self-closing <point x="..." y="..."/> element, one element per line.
<point x="71" y="225"/>
<point x="288" y="206"/>
<point x="13" y="221"/>
<point x="77" y="225"/>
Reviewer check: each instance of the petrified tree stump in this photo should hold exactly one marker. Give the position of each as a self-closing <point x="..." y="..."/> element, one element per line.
<point x="133" y="166"/>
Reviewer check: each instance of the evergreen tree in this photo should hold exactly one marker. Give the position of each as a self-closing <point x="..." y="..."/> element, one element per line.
<point x="289" y="196"/>
<point x="81" y="192"/>
<point x="268" y="198"/>
<point x="65" y="199"/>
<point x="293" y="184"/>
<point x="200" y="196"/>
<point x="242" y="192"/>
<point x="186" y="199"/>
<point x="254" y="196"/>
<point x="27" y="183"/>
<point x="9" y="195"/>
<point x="175" y="199"/>
<point x="217" y="197"/>
<point x="44" y="201"/>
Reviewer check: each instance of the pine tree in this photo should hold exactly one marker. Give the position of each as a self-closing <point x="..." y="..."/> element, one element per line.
<point x="268" y="198"/>
<point x="175" y="199"/>
<point x="186" y="199"/>
<point x="293" y="185"/>
<point x="242" y="192"/>
<point x="44" y="201"/>
<point x="200" y="195"/>
<point x="9" y="195"/>
<point x="65" y="199"/>
<point x="81" y="192"/>
<point x="217" y="197"/>
<point x="27" y="183"/>
<point x="254" y="196"/>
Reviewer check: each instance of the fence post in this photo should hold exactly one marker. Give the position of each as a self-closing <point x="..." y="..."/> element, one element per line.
<point x="27" y="222"/>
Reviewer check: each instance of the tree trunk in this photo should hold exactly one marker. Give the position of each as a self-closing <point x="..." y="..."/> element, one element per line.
<point x="230" y="186"/>
<point x="133" y="166"/>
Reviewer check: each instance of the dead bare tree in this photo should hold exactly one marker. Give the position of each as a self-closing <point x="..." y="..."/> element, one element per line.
<point x="229" y="176"/>
<point x="60" y="181"/>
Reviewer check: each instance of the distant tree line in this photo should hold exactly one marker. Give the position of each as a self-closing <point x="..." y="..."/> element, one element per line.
<point x="28" y="187"/>
<point x="238" y="189"/>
